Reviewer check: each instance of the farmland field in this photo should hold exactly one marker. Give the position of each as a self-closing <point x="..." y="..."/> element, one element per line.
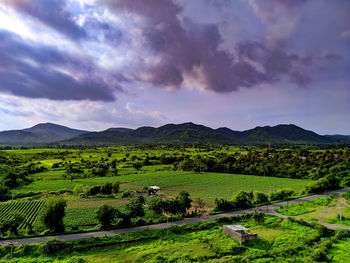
<point x="207" y="186"/>
<point x="29" y="209"/>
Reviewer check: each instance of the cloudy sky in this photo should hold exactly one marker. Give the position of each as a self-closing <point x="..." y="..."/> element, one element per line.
<point x="94" y="64"/>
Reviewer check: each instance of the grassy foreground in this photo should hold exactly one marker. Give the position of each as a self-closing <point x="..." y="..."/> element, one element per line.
<point x="279" y="241"/>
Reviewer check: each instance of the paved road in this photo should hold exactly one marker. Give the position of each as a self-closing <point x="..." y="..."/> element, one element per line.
<point x="270" y="209"/>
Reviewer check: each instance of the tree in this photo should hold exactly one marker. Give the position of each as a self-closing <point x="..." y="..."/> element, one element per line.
<point x="53" y="213"/>
<point x="116" y="187"/>
<point x="106" y="215"/>
<point x="4" y="193"/>
<point x="135" y="207"/>
<point x="137" y="166"/>
<point x="157" y="205"/>
<point x="11" y="223"/>
<point x="106" y="189"/>
<point x="14" y="221"/>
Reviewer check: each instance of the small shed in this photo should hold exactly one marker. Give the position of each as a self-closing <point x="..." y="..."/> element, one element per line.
<point x="239" y="233"/>
<point x="152" y="190"/>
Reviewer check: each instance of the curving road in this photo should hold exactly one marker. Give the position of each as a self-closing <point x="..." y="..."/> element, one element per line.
<point x="269" y="209"/>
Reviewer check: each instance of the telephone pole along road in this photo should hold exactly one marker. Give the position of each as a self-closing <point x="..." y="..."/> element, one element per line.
<point x="268" y="209"/>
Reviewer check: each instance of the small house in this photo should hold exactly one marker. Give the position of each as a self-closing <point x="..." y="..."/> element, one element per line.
<point x="152" y="190"/>
<point x="239" y="233"/>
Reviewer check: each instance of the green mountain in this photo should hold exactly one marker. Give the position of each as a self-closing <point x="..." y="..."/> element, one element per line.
<point x="185" y="133"/>
<point x="199" y="134"/>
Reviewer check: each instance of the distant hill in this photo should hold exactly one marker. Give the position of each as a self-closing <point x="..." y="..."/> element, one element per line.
<point x="340" y="138"/>
<point x="40" y="133"/>
<point x="199" y="134"/>
<point x="188" y="133"/>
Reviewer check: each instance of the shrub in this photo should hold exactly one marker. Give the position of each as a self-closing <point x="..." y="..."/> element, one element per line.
<point x="260" y="198"/>
<point x="222" y="204"/>
<point x="281" y="194"/>
<point x="53" y="246"/>
<point x="94" y="190"/>
<point x="106" y="189"/>
<point x="116" y="187"/>
<point x="242" y="199"/>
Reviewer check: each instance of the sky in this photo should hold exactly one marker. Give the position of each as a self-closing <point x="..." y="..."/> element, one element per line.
<point x="96" y="64"/>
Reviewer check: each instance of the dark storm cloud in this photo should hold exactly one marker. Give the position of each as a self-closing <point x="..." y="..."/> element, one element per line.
<point x="45" y="72"/>
<point x="186" y="47"/>
<point x="52" y="13"/>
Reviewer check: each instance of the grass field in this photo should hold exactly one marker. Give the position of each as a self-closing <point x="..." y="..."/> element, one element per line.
<point x="307" y="206"/>
<point x="207" y="186"/>
<point x="200" y="242"/>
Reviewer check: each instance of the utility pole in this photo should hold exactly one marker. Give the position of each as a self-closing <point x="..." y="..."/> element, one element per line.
<point x="11" y="251"/>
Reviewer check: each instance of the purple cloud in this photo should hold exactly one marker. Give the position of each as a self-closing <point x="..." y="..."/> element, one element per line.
<point x="188" y="49"/>
<point x="52" y="13"/>
<point x="45" y="72"/>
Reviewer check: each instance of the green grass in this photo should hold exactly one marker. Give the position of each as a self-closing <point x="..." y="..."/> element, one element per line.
<point x="340" y="252"/>
<point x="306" y="207"/>
<point x="346" y="195"/>
<point x="207" y="186"/>
<point x="200" y="242"/>
<point x="345" y="219"/>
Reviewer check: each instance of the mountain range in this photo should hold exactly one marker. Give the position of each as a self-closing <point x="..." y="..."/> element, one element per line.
<point x="49" y="133"/>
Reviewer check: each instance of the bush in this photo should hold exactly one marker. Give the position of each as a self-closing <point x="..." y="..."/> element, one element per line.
<point x="106" y="189"/>
<point x="79" y="189"/>
<point x="126" y="194"/>
<point x="281" y="194"/>
<point x="53" y="246"/>
<point x="260" y="198"/>
<point x="243" y="199"/>
<point x="116" y="187"/>
<point x="222" y="204"/>
<point x="94" y="190"/>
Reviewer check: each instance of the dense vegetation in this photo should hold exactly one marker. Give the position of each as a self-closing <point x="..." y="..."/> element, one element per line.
<point x="91" y="188"/>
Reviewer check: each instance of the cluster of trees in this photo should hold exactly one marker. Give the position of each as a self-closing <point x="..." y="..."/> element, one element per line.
<point x="11" y="177"/>
<point x="269" y="162"/>
<point x="107" y="215"/>
<point x="105" y="189"/>
<point x="244" y="199"/>
<point x="179" y="205"/>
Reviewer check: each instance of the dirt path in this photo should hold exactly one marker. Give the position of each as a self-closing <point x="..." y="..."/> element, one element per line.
<point x="269" y="209"/>
<point x="343" y="200"/>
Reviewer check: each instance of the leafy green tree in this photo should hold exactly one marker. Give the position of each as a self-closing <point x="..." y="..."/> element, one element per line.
<point x="106" y="215"/>
<point x="4" y="193"/>
<point x="106" y="189"/>
<point x="14" y="220"/>
<point x="116" y="187"/>
<point x="135" y="207"/>
<point x="53" y="213"/>
<point x="137" y="166"/>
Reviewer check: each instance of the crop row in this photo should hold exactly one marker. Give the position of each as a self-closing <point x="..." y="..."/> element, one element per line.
<point x="29" y="210"/>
